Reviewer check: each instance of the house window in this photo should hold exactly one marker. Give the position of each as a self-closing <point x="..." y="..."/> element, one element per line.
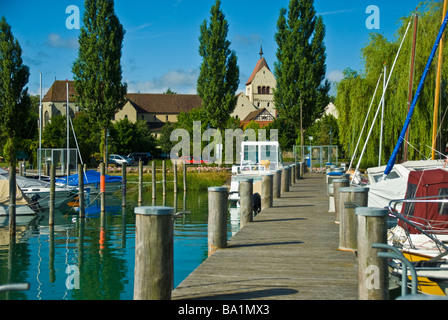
<point x="259" y="90"/>
<point x="263" y="90"/>
<point x="268" y="90"/>
<point x="166" y="117"/>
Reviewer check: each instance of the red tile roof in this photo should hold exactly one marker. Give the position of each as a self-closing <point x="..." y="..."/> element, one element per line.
<point x="260" y="64"/>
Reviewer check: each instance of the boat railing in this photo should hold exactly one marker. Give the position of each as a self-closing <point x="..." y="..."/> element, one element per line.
<point x="427" y="227"/>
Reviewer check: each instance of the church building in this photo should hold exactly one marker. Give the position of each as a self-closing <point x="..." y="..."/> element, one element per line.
<point x="259" y="95"/>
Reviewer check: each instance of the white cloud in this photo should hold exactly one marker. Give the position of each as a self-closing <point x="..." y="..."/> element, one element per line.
<point x="179" y="81"/>
<point x="56" y="41"/>
<point x="335" y="76"/>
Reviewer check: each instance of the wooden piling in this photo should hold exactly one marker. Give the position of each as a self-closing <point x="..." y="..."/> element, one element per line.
<point x="267" y="197"/>
<point x="52" y="194"/>
<point x="175" y="176"/>
<point x="81" y="190"/>
<point x="164" y="178"/>
<point x="185" y="176"/>
<point x="12" y="201"/>
<point x="373" y="273"/>
<point x="246" y="188"/>
<point x="153" y="274"/>
<point x="277" y="184"/>
<point x="350" y="199"/>
<point x="217" y="218"/>
<point x="285" y="183"/>
<point x="140" y="182"/>
<point x="153" y="178"/>
<point x="123" y="184"/>
<point x="337" y="185"/>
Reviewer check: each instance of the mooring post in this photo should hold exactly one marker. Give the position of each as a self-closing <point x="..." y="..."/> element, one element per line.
<point x="153" y="274"/>
<point x="103" y="186"/>
<point x="140" y="182"/>
<point x="164" y="178"/>
<point x="246" y="188"/>
<point x="298" y="171"/>
<point x="153" y="177"/>
<point x="175" y="177"/>
<point x="52" y="194"/>
<point x="293" y="173"/>
<point x="123" y="184"/>
<point x="337" y="185"/>
<point x="373" y="276"/>
<point x="350" y="199"/>
<point x="12" y="201"/>
<point x="284" y="185"/>
<point x="217" y="218"/>
<point x="81" y="190"/>
<point x="277" y="184"/>
<point x="267" y="197"/>
<point x="185" y="175"/>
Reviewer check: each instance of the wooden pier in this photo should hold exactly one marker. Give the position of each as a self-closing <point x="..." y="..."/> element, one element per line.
<point x="289" y="252"/>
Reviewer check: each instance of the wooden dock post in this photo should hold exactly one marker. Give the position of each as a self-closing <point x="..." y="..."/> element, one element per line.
<point x="153" y="176"/>
<point x="373" y="273"/>
<point x="298" y="171"/>
<point x="337" y="185"/>
<point x="164" y="178"/>
<point x="277" y="184"/>
<point x="140" y="182"/>
<point x="153" y="273"/>
<point x="81" y="190"/>
<point x="123" y="184"/>
<point x="185" y="175"/>
<point x="103" y="187"/>
<point x="293" y="173"/>
<point x="52" y="194"/>
<point x="217" y="218"/>
<point x="350" y="199"/>
<point x="12" y="201"/>
<point x="267" y="197"/>
<point x="284" y="184"/>
<point x="246" y="201"/>
<point x="175" y="177"/>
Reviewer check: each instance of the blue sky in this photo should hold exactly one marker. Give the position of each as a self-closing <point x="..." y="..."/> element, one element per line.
<point x="160" y="48"/>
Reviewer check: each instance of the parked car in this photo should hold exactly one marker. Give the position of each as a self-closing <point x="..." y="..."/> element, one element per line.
<point x="137" y="156"/>
<point x="118" y="160"/>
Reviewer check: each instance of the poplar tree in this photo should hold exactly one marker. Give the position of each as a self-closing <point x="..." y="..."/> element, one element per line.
<point x="219" y="74"/>
<point x="15" y="104"/>
<point x="97" y="70"/>
<point x="300" y="69"/>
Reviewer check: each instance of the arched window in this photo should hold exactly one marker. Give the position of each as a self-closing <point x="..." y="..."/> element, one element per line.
<point x="263" y="90"/>
<point x="268" y="90"/>
<point x="259" y="90"/>
<point x="46" y="118"/>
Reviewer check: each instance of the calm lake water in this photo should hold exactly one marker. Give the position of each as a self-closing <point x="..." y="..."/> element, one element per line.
<point x="100" y="251"/>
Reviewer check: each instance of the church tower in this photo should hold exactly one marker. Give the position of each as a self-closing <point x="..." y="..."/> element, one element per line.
<point x="260" y="86"/>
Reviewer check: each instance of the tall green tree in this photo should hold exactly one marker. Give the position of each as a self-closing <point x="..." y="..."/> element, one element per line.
<point x="300" y="68"/>
<point x="97" y="70"/>
<point x="219" y="75"/>
<point x="15" y="102"/>
<point x="15" y="105"/>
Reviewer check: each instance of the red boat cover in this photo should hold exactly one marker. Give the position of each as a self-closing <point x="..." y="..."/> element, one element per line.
<point x="428" y="215"/>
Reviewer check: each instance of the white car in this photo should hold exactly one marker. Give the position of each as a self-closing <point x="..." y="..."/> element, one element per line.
<point x="118" y="160"/>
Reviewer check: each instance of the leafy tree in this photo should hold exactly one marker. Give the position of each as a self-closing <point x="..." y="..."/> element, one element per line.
<point x="355" y="92"/>
<point x="219" y="74"/>
<point x="15" y="102"/>
<point x="97" y="70"/>
<point x="300" y="69"/>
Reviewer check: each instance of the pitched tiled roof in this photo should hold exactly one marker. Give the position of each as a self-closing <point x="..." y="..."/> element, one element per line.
<point x="58" y="92"/>
<point x="143" y="102"/>
<point x="164" y="103"/>
<point x="254" y="114"/>
<point x="260" y="64"/>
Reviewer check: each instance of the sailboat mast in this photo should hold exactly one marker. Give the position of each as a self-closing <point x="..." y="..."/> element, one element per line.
<point x="436" y="98"/>
<point x="382" y="115"/>
<point x="411" y="81"/>
<point x="68" y="134"/>
<point x="39" y="157"/>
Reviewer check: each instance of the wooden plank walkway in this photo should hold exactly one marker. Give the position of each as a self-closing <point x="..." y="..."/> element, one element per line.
<point x="290" y="251"/>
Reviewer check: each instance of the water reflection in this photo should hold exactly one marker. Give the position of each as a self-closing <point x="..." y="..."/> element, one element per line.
<point x="93" y="257"/>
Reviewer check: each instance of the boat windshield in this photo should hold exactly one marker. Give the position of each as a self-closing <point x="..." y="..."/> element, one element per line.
<point x="260" y="154"/>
